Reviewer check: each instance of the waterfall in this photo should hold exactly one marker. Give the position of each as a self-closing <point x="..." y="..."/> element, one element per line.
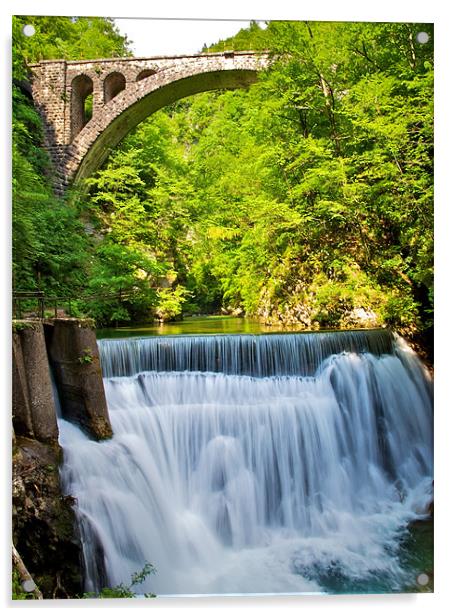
<point x="254" y="463"/>
<point x="256" y="355"/>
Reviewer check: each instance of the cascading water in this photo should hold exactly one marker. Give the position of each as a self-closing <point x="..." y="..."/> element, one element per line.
<point x="255" y="464"/>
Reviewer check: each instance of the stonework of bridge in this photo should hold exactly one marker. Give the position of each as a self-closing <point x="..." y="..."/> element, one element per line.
<point x="123" y="91"/>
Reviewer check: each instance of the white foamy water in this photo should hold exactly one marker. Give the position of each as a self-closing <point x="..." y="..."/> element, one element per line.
<point x="230" y="483"/>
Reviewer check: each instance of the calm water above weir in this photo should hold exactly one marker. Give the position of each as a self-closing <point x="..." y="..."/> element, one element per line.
<point x="282" y="463"/>
<point x="191" y="326"/>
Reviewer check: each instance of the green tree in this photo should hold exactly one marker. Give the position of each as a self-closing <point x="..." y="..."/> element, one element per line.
<point x="67" y="38"/>
<point x="51" y="250"/>
<point x="306" y="199"/>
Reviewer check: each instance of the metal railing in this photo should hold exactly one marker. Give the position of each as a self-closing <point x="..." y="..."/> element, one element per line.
<point x="38" y="304"/>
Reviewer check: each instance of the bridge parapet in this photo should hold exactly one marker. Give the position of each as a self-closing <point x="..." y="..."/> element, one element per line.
<point x="89" y="106"/>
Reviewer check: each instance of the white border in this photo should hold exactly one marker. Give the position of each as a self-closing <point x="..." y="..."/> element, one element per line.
<point x="436" y="11"/>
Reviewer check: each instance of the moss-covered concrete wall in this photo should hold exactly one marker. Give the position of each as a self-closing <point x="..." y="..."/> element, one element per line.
<point x="33" y="402"/>
<point x="74" y="356"/>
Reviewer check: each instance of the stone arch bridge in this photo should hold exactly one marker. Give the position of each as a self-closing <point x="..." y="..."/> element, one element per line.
<point x="89" y="106"/>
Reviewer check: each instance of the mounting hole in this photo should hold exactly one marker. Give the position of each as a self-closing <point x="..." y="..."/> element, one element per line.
<point x="28" y="30"/>
<point x="422" y="38"/>
<point x="423" y="579"/>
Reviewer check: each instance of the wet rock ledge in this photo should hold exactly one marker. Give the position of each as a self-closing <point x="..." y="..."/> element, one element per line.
<point x="44" y="530"/>
<point x="43" y="524"/>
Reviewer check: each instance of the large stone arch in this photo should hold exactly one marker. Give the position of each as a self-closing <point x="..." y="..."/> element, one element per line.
<point x="77" y="156"/>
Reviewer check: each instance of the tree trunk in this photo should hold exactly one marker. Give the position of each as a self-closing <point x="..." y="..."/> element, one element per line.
<point x="28" y="584"/>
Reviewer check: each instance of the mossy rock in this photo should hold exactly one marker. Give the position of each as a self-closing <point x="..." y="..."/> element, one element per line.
<point x="44" y="527"/>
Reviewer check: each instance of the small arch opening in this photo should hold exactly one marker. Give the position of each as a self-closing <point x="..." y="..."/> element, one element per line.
<point x="114" y="83"/>
<point x="148" y="72"/>
<point x="81" y="103"/>
<point x="88" y="107"/>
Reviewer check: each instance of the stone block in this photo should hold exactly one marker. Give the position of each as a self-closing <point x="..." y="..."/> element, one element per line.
<point x="22" y="421"/>
<point x="75" y="359"/>
<point x="33" y="366"/>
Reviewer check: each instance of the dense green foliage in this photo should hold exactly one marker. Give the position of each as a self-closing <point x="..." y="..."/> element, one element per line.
<point x="306" y="199"/>
<point x="48" y="242"/>
<point x="77" y="38"/>
<point x="50" y="249"/>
